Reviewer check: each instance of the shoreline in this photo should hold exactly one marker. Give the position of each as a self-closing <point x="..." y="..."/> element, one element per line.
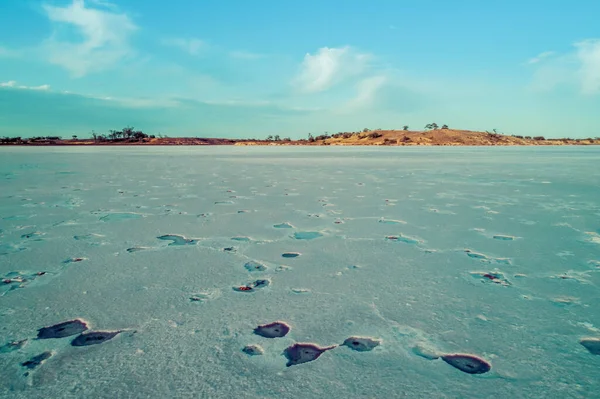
<point x="387" y="138"/>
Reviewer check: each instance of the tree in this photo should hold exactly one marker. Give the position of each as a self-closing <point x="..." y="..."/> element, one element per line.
<point x="434" y="126"/>
<point x="405" y="127"/>
<point x="311" y="139"/>
<point x="127" y="132"/>
<point x="277" y="138"/>
<point x="365" y="130"/>
<point x="445" y="127"/>
<point x="428" y="126"/>
<point x="74" y="137"/>
<point x="269" y="138"/>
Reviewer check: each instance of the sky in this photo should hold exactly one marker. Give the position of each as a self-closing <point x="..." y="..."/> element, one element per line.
<point x="252" y="68"/>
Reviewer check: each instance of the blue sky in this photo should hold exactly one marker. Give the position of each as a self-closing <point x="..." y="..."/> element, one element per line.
<point x="242" y="68"/>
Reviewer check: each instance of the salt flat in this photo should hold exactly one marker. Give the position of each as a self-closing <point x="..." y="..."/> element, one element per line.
<point x="204" y="267"/>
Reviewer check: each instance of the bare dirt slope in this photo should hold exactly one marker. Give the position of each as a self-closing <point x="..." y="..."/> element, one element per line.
<point x="439" y="137"/>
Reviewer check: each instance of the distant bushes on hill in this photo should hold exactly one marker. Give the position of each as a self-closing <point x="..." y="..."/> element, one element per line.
<point x="127" y="134"/>
<point x="38" y="139"/>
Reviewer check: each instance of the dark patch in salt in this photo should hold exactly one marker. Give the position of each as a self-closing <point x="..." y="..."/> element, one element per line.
<point x="253" y="350"/>
<point x="475" y="255"/>
<point x="73" y="260"/>
<point x="254" y="266"/>
<point x="36" y="361"/>
<point x="591" y="344"/>
<point x="495" y="277"/>
<point x="290" y="254"/>
<point x="404" y="239"/>
<point x="230" y="249"/>
<point x="303" y="353"/>
<point x="276" y="329"/>
<point x="32" y="235"/>
<point x="307" y="235"/>
<point x="470" y="364"/>
<point x="361" y="344"/>
<point x="137" y="249"/>
<point x="94" y="338"/>
<point x="284" y="225"/>
<point x="62" y="330"/>
<point x="178" y="239"/>
<point x="253" y="286"/>
<point x="503" y="237"/>
<point x="12" y="346"/>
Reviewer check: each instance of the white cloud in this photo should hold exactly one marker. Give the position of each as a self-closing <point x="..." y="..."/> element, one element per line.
<point x="13" y="84"/>
<point x="541" y="57"/>
<point x="578" y="68"/>
<point x="190" y="46"/>
<point x="588" y="53"/>
<point x="105" y="38"/>
<point x="329" y="67"/>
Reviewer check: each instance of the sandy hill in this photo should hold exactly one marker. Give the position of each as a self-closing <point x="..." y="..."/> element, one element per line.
<point x="438" y="137"/>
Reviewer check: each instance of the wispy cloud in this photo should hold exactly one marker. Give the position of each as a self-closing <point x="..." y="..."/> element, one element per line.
<point x="588" y="53"/>
<point x="329" y="67"/>
<point x="190" y="46"/>
<point x="13" y="85"/>
<point x="541" y="57"/>
<point x="105" y="34"/>
<point x="245" y="55"/>
<point x="366" y="91"/>
<point x="6" y="52"/>
<point x="578" y="68"/>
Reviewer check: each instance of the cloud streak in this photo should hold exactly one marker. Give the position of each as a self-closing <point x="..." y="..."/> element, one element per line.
<point x="12" y="84"/>
<point x="190" y="46"/>
<point x="245" y="55"/>
<point x="105" y="38"/>
<point x="577" y="68"/>
<point x="588" y="54"/>
<point x="540" y="57"/>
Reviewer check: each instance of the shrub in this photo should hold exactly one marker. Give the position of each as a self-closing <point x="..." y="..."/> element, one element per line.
<point x="539" y="138"/>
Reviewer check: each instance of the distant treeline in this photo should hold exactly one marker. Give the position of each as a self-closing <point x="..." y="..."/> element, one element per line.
<point x="127" y="134"/>
<point x="20" y="140"/>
